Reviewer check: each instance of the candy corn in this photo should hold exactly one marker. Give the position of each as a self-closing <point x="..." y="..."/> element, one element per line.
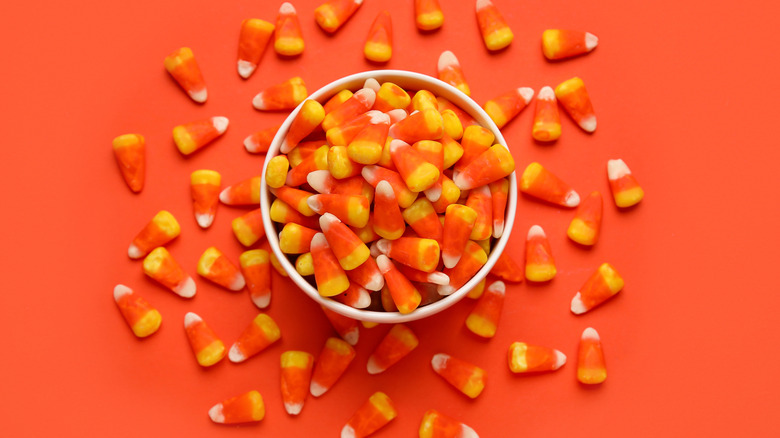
<point x="495" y="31"/>
<point x="539" y="262"/>
<point x="256" y="337"/>
<point x="366" y="146"/>
<point x="591" y="368"/>
<point x="256" y="269"/>
<point x="423" y="277"/>
<point x="282" y="213"/>
<point x="142" y="318"/>
<point x="397" y="344"/>
<point x="350" y="251"/>
<point x="328" y="274"/>
<point x="296" y="239"/>
<point x="352" y="210"/>
<point x="130" y="154"/>
<point x="465" y="377"/>
<point x="367" y="275"/>
<point x="161" y="267"/>
<point x="502" y="109"/>
<point x="295" y="198"/>
<point x="404" y="295"/>
<point x="419" y="125"/>
<point x="299" y="174"/>
<point x="282" y="96"/>
<point x="160" y="230"/>
<point x="347" y="328"/>
<point x="204" y="187"/>
<point x="560" y="44"/>
<point x="182" y="66"/>
<point x="374" y="174"/>
<point x="574" y="98"/>
<point x="339" y="98"/>
<point x="601" y="286"/>
<point x="276" y="171"/>
<point x="333" y="360"/>
<point x="547" y="120"/>
<point x="543" y="184"/>
<point x="417" y="173"/>
<point x="357" y="104"/>
<point x="499" y="192"/>
<point x="451" y="124"/>
<point x="586" y="225"/>
<point x="477" y="290"/>
<point x="193" y="136"/>
<point x="296" y="378"/>
<point x="260" y="141"/>
<point x="248" y="228"/>
<point x="625" y="188"/>
<point x="472" y="260"/>
<point x="373" y="415"/>
<point x="437" y="425"/>
<point x="480" y="200"/>
<point x="465" y="119"/>
<point x="415" y="252"/>
<point x="332" y="14"/>
<point x="243" y="408"/>
<point x="388" y="221"/>
<point x="428" y="14"/>
<point x="252" y="41"/>
<point x="422" y="218"/>
<point x="390" y="97"/>
<point x="449" y="71"/>
<point x="304" y="264"/>
<point x="507" y="270"/>
<point x="483" y="320"/>
<point x="525" y="358"/>
<point x="379" y="42"/>
<point x="304" y="150"/>
<point x="491" y="165"/>
<point x="208" y="348"/>
<point x="308" y="118"/>
<point x="355" y="296"/>
<point x="215" y="266"/>
<point x="458" y="222"/>
<point x="450" y="193"/>
<point x="288" y="40"/>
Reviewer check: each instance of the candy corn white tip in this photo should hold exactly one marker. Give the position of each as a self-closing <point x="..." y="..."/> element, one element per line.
<point x="617" y="169"/>
<point x="588" y="124"/>
<point x="317" y="179"/>
<point x="383" y="245"/>
<point x="258" y="101"/>
<point x="372" y="366"/>
<point x="447" y="60"/>
<point x="560" y="360"/>
<point x="433" y="194"/>
<point x="526" y="93"/>
<point x="134" y="252"/>
<point x="372" y="84"/>
<point x="536" y="230"/>
<point x="348" y="432"/>
<point x="199" y="96"/>
<point x="572" y="199"/>
<point x="285" y="148"/>
<point x="352" y="336"/>
<point x="262" y="302"/>
<point x="396" y="115"/>
<point x="577" y="306"/>
<point x="319" y="241"/>
<point x="498" y="287"/>
<point x="238" y="283"/>
<point x="316" y="389"/>
<point x="250" y="145"/>
<point x="439" y="278"/>
<point x="245" y="68"/>
<point x="204" y="220"/>
<point x="220" y="124"/>
<point x="450" y="260"/>
<point x="376" y="283"/>
<point x="314" y="203"/>
<point x="121" y="290"/>
<point x="439" y="361"/>
<point x="498" y="229"/>
<point x="187" y="289"/>
<point x="445" y="290"/>
<point x="467" y="432"/>
<point x="366" y="95"/>
<point x="191" y="318"/>
<point x="235" y="355"/>
<point x="395" y="144"/>
<point x="293" y="408"/>
<point x="482" y="4"/>
<point x="546" y="93"/>
<point x="326" y="220"/>
<point x="287" y="8"/>
<point x="224" y="196"/>
<point x="590" y="333"/>
<point x="378" y="117"/>
<point x="363" y="301"/>
<point x="383" y="188"/>
<point x="591" y="41"/>
<point x="215" y="413"/>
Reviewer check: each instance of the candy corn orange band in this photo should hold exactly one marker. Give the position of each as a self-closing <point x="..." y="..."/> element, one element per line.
<point x="404" y="295"/>
<point x="428" y="14"/>
<point x="591" y="368"/>
<point x="252" y="42"/>
<point x="206" y="345"/>
<point x="435" y="424"/>
<point x="525" y="358"/>
<point x="379" y="42"/>
<point x="331" y="364"/>
<point x="370" y="417"/>
<point x="258" y="335"/>
<point x="130" y="154"/>
<point x="346" y="327"/>
<point x="182" y="66"/>
<point x="539" y="262"/>
<point x="256" y="269"/>
<point x="483" y="320"/>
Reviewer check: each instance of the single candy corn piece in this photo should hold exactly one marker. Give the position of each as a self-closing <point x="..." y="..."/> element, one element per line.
<point x="194" y="136"/>
<point x="357" y="104"/>
<point x="507" y="269"/>
<point x="388" y="221"/>
<point x="543" y="184"/>
<point x="560" y="44"/>
<point x="418" y="276"/>
<point x="415" y="252"/>
<point x="483" y="320"/>
<point x="499" y="194"/>
<point x="417" y="173"/>
<point x="256" y="337"/>
<point x="476" y="140"/>
<point x="405" y="297"/>
<point x="130" y="154"/>
<point x="296" y="239"/>
<point x="333" y="360"/>
<point x="586" y="225"/>
<point x="252" y="42"/>
<point x="574" y="98"/>
<point x="160" y="230"/>
<point x="246" y="192"/>
<point x="390" y="97"/>
<point x="339" y="98"/>
<point x="495" y="31"/>
<point x="366" y="146"/>
<point x="346" y="327"/>
<point x="464" y="376"/>
<point x="142" y="318"/>
<point x="625" y="188"/>
<point x="355" y="296"/>
<point x="373" y="415"/>
<point x="492" y="165"/>
<point x="539" y="262"/>
<point x="288" y="39"/>
<point x="547" y="119"/>
<point x="296" y="378"/>
<point x="449" y="71"/>
<point x="163" y="268"/>
<point x="419" y="125"/>
<point x="284" y="214"/>
<point x="299" y="174"/>
<point x="248" y="228"/>
<point x="256" y="269"/>
<point x="472" y="260"/>
<point x="397" y="344"/>
<point x="374" y="174"/>
<point x="350" y="251"/>
<point x="601" y="286"/>
<point x="505" y="107"/>
<point x="308" y="118"/>
<point x="332" y="14"/>
<point x="450" y="193"/>
<point x="480" y="200"/>
<point x="591" y="368"/>
<point x="215" y="266"/>
<point x="328" y="274"/>
<point x="437" y="425"/>
<point x="458" y="223"/>
<point x="206" y="345"/>
<point x="423" y="219"/>
<point x="379" y="42"/>
<point x="282" y="96"/>
<point x="276" y="172"/>
<point x="243" y="408"/>
<point x="204" y="188"/>
<point x="428" y="14"/>
<point x="295" y="198"/>
<point x="182" y="66"/>
<point x="351" y="209"/>
<point x="525" y="358"/>
<point x="367" y="275"/>
<point x="260" y="141"/>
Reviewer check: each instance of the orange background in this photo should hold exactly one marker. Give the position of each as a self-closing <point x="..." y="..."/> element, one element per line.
<point x="685" y="93"/>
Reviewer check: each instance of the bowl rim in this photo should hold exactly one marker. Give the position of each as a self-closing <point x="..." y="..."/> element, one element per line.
<point x="406" y="79"/>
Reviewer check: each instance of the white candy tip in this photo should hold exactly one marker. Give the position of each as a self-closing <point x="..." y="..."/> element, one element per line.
<point x="293" y="408"/>
<point x="314" y="203"/>
<point x="383" y="188"/>
<point x="317" y="179"/>
<point x="445" y="289"/>
<point x="245" y="68"/>
<point x="372" y="84"/>
<point x="384" y="263"/>
<point x="187" y="289"/>
<point x="238" y="283"/>
<point x="258" y="102"/>
<point x="591" y="41"/>
<point x="447" y="60"/>
<point x="372" y="367"/>
<point x="134" y="252"/>
<point x="590" y="333"/>
<point x="460" y="181"/>
<point x="617" y="169"/>
<point x="577" y="306"/>
<point x="536" y="230"/>
<point x="546" y="93"/>
<point x="121" y="290"/>
<point x="363" y="301"/>
<point x="560" y="360"/>
<point x="439" y="278"/>
<point x="378" y="118"/>
<point x="498" y="229"/>
<point x="467" y="432"/>
<point x="220" y="124"/>
<point x="347" y="432"/>
<point x="316" y="389"/>
<point x="215" y="413"/>
<point x="319" y="241"/>
<point x="434" y="193"/>
<point x="326" y="220"/>
<point x="572" y="199"/>
<point x="191" y="318"/>
<point x="235" y="355"/>
<point x="396" y="143"/>
<point x="368" y="172"/>
<point x="376" y="283"/>
<point x="526" y="93"/>
<point x="481" y="4"/>
<point x="287" y="8"/>
<point x="204" y="220"/>
<point x="352" y="336"/>
<point x="450" y="260"/>
<point x="366" y="95"/>
<point x="375" y="252"/>
<point x="588" y="124"/>
<point x="224" y="196"/>
<point x="262" y="301"/>
<point x="199" y="96"/>
<point x="396" y="115"/>
<point x="439" y="361"/>
<point x="497" y="287"/>
<point x="383" y="245"/>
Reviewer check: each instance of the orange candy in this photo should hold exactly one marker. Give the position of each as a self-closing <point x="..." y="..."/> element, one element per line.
<point x="507" y="269"/>
<point x="193" y="136"/>
<point x="299" y="174"/>
<point x="350" y="251"/>
<point x="458" y="222"/>
<point x="404" y="295"/>
<point x="333" y="360"/>
<point x="328" y="274"/>
<point x="206" y="345"/>
<point x="499" y="192"/>
<point x="296" y="378"/>
<point x="295" y="198"/>
<point x="367" y="275"/>
<point x="256" y="269"/>
<point x="357" y="104"/>
<point x="483" y="320"/>
<point x="308" y="118"/>
<point x="288" y="40"/>
<point x="397" y="344"/>
<point x="296" y="239"/>
<point x="547" y="119"/>
<point x="391" y="97"/>
<point x="284" y="214"/>
<point x="282" y="96"/>
<point x="215" y="266"/>
<point x="437" y="425"/>
<point x="415" y="252"/>
<point x="418" y="276"/>
<point x="625" y="188"/>
<point x="373" y="415"/>
<point x="143" y="319"/>
<point x="591" y="368"/>
<point x="560" y="44"/>
<point x="246" y="192"/>
<point x="491" y="165"/>
<point x="601" y="286"/>
<point x="130" y="154"/>
<point x="379" y="42"/>
<point x="449" y="71"/>
<point x="256" y="337"/>
<point x="204" y="187"/>
<point x="495" y="31"/>
<point x="417" y="173"/>
<point x="476" y="140"/>
<point x="252" y="42"/>
<point x="586" y="225"/>
<point x="248" y="228"/>
<point x="472" y="260"/>
<point x="502" y="109"/>
<point x="525" y="358"/>
<point x="422" y="218"/>
<point x="160" y="230"/>
<point x="388" y="221"/>
<point x="347" y="328"/>
<point x="332" y="14"/>
<point x="351" y="209"/>
<point x="480" y="200"/>
<point x="339" y="163"/>
<point x="355" y="296"/>
<point x="450" y="194"/>
<point x="464" y="376"/>
<point x="428" y="14"/>
<point x="243" y="408"/>
<point x="182" y="66"/>
<point x="374" y="174"/>
<point x="260" y="141"/>
<point x="161" y="267"/>
<point x="543" y="184"/>
<point x="574" y="98"/>
<point x="539" y="262"/>
<point x="366" y="146"/>
<point x="419" y="125"/>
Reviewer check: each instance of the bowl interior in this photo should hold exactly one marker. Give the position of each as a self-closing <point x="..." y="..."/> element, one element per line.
<point x="408" y="81"/>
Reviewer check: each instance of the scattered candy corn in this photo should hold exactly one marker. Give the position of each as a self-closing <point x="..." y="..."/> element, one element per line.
<point x="625" y="188"/>
<point x="373" y="415"/>
<point x="483" y="319"/>
<point x="182" y="66"/>
<point x="505" y="107"/>
<point x="379" y="42"/>
<point x="215" y="266"/>
<point x="208" y="348"/>
<point x="332" y="14"/>
<point x="248" y="228"/>
<point x="591" y="368"/>
<point x="388" y="221"/>
<point x="450" y="71"/>
<point x="193" y="136"/>
<point x="260" y="141"/>
<point x="256" y="269"/>
<point x="246" y="192"/>
<point x="422" y="218"/>
<point x="437" y="425"/>
<point x="539" y="262"/>
<point x="397" y="344"/>
<point x="586" y="225"/>
<point x="547" y="120"/>
<point x="288" y="40"/>
<point x="495" y="31"/>
<point x="415" y="252"/>
<point x="161" y="267"/>
<point x="331" y="364"/>
<point x="347" y="328"/>
<point x="308" y="118"/>
<point x="160" y="230"/>
<point x="256" y="337"/>
<point x="252" y="42"/>
<point x="464" y="376"/>
<point x="601" y="286"/>
<point x="351" y="209"/>
<point x="130" y="154"/>
<point x="142" y="318"/>
<point x="243" y="408"/>
<point x="296" y="379"/>
<point x="507" y="270"/>
<point x="525" y="358"/>
<point x="204" y="187"/>
<point x="282" y="96"/>
<point x="560" y="44"/>
<point x="574" y="98"/>
<point x="428" y="14"/>
<point x="543" y="184"/>
<point x="296" y="239"/>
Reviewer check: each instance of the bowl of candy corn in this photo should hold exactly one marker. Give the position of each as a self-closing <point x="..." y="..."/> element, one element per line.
<point x="388" y="195"/>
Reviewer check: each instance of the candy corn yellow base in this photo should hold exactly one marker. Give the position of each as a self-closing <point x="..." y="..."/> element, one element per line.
<point x="629" y="198"/>
<point x="148" y="324"/>
<point x="480" y="326"/>
<point x="211" y="354"/>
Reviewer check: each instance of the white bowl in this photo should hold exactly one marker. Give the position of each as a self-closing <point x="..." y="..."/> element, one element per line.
<point x="408" y="81"/>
